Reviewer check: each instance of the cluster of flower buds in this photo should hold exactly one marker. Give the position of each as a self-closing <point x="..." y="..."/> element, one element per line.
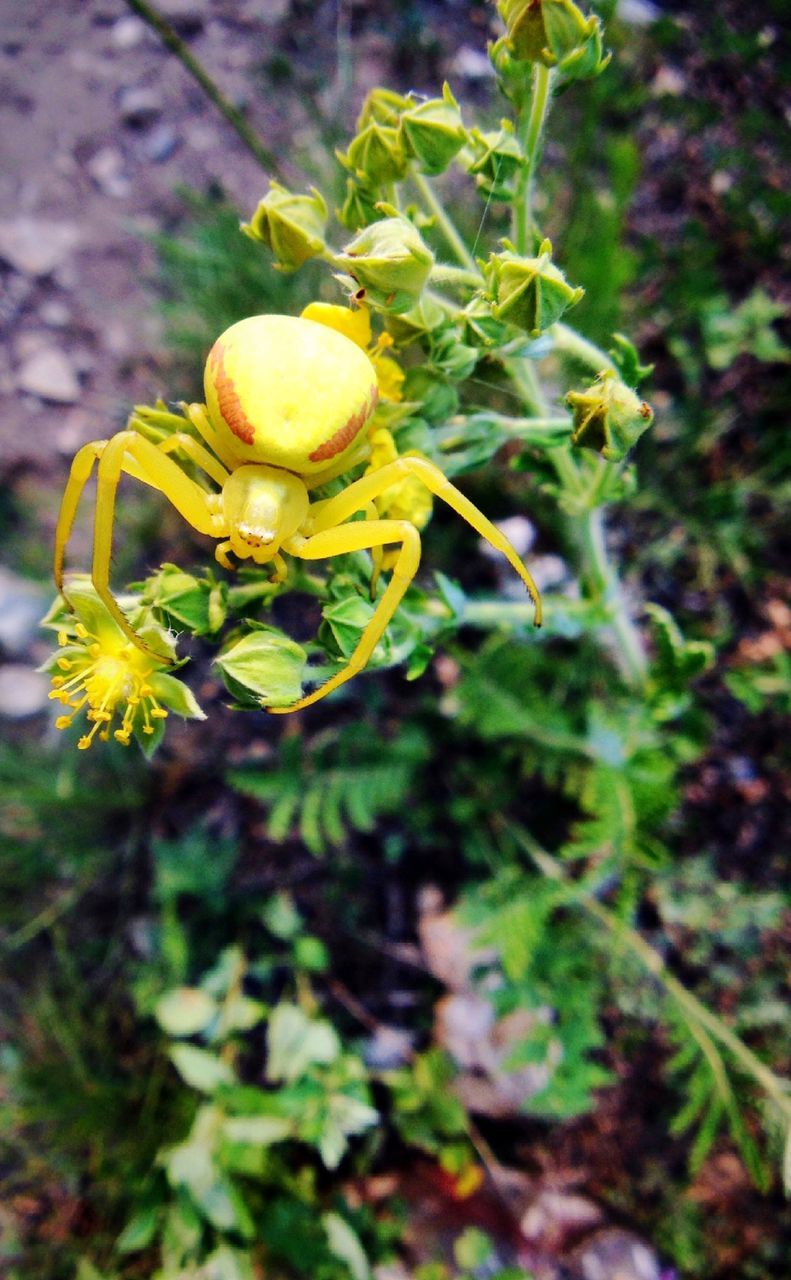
<point x="387" y="264"/>
<point x="292" y="226"/>
<point x="393" y="133"/>
<point x="609" y="417"/>
<point x="531" y="293"/>
<point x="494" y="158"/>
<point x="554" y="33"/>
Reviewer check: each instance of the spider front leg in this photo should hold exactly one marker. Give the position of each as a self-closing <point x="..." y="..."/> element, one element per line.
<point x="131" y="453"/>
<point x="333" y="511"/>
<point x="199" y="417"/>
<point x="361" y="536"/>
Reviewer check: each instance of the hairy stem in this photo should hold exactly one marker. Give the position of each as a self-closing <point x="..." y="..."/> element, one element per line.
<point x="594" y="547"/>
<point x="530" y="127"/>
<point x="176" y="45"/>
<point x="586" y="352"/>
<point x="445" y="223"/>
<point x="456" y="277"/>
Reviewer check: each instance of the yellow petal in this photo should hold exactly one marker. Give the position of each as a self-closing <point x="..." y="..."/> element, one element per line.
<point x="390" y="377"/>
<point x="355" y="325"/>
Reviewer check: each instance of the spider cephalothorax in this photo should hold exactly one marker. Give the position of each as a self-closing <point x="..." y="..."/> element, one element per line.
<point x="288" y="403"/>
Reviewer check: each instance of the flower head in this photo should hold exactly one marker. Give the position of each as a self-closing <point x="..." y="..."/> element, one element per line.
<point x="102" y="678"/>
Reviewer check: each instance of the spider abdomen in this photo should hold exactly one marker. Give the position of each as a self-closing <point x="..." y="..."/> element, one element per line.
<point x="289" y="392"/>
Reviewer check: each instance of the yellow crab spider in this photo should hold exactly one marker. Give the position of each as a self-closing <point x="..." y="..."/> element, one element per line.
<point x="288" y="401"/>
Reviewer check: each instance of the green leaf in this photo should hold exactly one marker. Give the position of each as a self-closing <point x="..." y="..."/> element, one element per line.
<point x="297" y="1043"/>
<point x="260" y="1131"/>
<point x="347" y="781"/>
<point x="344" y="1244"/>
<point x="139" y="1230"/>
<point x="472" y="1249"/>
<point x="185" y="1011"/>
<point x="200" y="1069"/>
<point x="175" y="695"/>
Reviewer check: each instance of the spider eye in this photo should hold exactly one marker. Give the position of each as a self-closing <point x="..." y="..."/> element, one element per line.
<point x="256" y="536"/>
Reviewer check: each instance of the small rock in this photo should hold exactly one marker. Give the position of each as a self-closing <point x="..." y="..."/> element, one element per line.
<point x="36" y="246"/>
<point x="139" y="106"/>
<point x="22" y="605"/>
<point x="617" y="1255"/>
<point x="161" y="144"/>
<point x="106" y="168"/>
<point x="472" y="64"/>
<point x="23" y="691"/>
<point x="49" y="375"/>
<point x="555" y="1217"/>
<point x="184" y="16"/>
<point x="54" y="313"/>
<point x="127" y="32"/>
<point x="387" y="1048"/>
<point x="78" y="428"/>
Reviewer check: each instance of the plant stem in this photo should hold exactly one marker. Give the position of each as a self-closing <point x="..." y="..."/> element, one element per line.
<point x="573" y="344"/>
<point x="594" y="548"/>
<point x="233" y="115"/>
<point x="587" y="531"/>
<point x="774" y="1086"/>
<point x="456" y="277"/>
<point x="530" y="126"/>
<point x="444" y="222"/>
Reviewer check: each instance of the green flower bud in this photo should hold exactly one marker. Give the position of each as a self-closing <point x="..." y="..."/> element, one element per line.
<point x="480" y="327"/>
<point x="438" y="399"/>
<point x="376" y="154"/>
<point x="382" y="106"/>
<point x="390" y="262"/>
<point x="195" y="603"/>
<point x="291" y="226"/>
<point x="359" y="208"/>
<point x="529" y="292"/>
<point x="433" y="132"/>
<point x="416" y="323"/>
<point x="264" y="667"/>
<point x="453" y="357"/>
<point x="496" y="156"/>
<point x="608" y="417"/>
<point x="555" y="33"/>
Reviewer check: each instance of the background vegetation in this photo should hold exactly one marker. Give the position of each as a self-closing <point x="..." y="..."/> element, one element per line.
<point x="229" y="1036"/>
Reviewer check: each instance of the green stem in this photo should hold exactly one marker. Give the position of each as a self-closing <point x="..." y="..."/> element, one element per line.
<point x="444" y="222"/>
<point x="573" y="344"/>
<point x="608" y="584"/>
<point x="456" y="277"/>
<point x="530" y="126"/>
<point x="176" y="45"/>
<point x="587" y="531"/>
<point x="774" y="1086"/>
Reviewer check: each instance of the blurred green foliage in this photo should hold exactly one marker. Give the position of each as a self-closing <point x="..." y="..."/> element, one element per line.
<point x="190" y="1076"/>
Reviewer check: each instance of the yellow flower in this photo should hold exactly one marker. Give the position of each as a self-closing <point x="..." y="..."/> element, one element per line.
<point x="407" y="499"/>
<point x="356" y="325"/>
<point x="99" y="675"/>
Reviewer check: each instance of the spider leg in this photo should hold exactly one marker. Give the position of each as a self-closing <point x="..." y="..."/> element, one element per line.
<point x="79" y="475"/>
<point x="196" y="452"/>
<point x="199" y="418"/>
<point x="377" y="553"/>
<point x="333" y="511"/>
<point x="132" y="453"/>
<point x="361" y="536"/>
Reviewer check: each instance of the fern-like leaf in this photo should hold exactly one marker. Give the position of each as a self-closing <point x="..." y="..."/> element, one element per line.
<point x="345" y="782"/>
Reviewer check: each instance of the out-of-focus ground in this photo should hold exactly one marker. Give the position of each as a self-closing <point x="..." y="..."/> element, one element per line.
<point x="100" y="128"/>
